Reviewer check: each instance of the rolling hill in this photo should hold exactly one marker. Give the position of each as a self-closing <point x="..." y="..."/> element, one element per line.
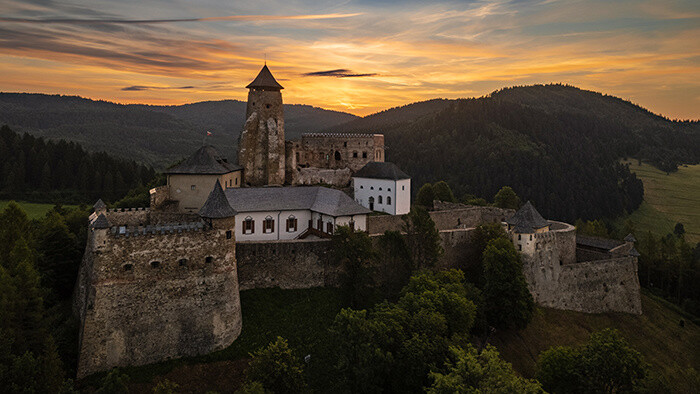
<point x="155" y="135"/>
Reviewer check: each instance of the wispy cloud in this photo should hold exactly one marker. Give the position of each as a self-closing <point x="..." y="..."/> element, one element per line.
<point x="338" y="73"/>
<point x="139" y="88"/>
<point x="78" y="21"/>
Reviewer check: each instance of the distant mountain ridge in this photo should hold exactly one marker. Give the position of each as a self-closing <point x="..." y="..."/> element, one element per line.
<point x="151" y="134"/>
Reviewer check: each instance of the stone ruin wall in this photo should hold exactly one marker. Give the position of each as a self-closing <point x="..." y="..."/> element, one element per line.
<point x="330" y="158"/>
<point x="148" y="314"/>
<point x="261" y="145"/>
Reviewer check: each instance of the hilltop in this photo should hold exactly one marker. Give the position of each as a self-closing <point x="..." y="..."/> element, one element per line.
<point x="151" y="134"/>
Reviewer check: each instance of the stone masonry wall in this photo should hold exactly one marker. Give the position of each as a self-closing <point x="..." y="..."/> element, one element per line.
<point x="155" y="296"/>
<point x="294" y="264"/>
<point x="444" y="219"/>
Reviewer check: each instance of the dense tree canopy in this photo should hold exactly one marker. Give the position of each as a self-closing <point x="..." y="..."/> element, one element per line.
<point x="47" y="171"/>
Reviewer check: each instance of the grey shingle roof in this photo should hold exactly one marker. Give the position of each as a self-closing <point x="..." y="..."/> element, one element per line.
<point x="217" y="206"/>
<point x="206" y="160"/>
<point x="101" y="222"/>
<point x="381" y="170"/>
<point x="316" y="198"/>
<point x="265" y="80"/>
<point x="597" y="242"/>
<point x="99" y="205"/>
<point x="527" y="219"/>
<point x="630" y="238"/>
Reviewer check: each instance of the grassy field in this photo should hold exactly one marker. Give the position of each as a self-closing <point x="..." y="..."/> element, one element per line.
<point x="304" y="316"/>
<point x="33" y="210"/>
<point x="667" y="347"/>
<point x="668" y="199"/>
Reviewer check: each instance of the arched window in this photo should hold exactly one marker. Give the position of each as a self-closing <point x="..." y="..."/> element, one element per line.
<point x="269" y="225"/>
<point x="380" y="189"/>
<point x="388" y="200"/>
<point x="182" y="262"/>
<point x="155" y="264"/>
<point x="380" y="199"/>
<point x="248" y="225"/>
<point x="128" y="267"/>
<point x="337" y="156"/>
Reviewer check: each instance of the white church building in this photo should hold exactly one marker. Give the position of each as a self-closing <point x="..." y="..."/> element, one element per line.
<point x="383" y="187"/>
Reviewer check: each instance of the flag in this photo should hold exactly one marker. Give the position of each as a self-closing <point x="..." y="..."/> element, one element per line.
<point x="208" y="133"/>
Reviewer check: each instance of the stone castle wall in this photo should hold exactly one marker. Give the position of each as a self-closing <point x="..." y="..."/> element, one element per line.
<point x="148" y="296"/>
<point x="463" y="217"/>
<point x="294" y="264"/>
<point x="261" y="145"/>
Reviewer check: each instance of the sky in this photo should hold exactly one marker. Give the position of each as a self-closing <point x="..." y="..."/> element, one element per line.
<point x="354" y="56"/>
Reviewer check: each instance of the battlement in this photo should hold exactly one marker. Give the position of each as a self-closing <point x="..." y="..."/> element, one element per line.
<point x="339" y="135"/>
<point x="172" y="228"/>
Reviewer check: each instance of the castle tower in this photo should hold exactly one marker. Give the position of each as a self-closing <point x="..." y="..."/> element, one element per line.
<point x="261" y="147"/>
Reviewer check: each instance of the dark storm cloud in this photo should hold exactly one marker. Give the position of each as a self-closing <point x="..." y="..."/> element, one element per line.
<point x="338" y="73"/>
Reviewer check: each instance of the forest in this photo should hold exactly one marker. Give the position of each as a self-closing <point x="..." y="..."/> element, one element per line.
<point x="32" y="169"/>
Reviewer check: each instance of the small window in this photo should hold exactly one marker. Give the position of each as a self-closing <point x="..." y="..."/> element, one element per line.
<point x="362" y="187"/>
<point x="269" y="225"/>
<point x="520" y="247"/>
<point x="403" y="187"/>
<point x="193" y="187"/>
<point x="182" y="262"/>
<point x="388" y="200"/>
<point x="371" y="188"/>
<point x="530" y="237"/>
<point x="380" y="199"/>
<point x="229" y="234"/>
<point x="155" y="264"/>
<point x="354" y="154"/>
<point x="388" y="189"/>
<point x="380" y="189"/>
<point x="209" y="260"/>
<point x="329" y="228"/>
<point x="248" y="226"/>
<point x="291" y="224"/>
<point x="520" y="237"/>
<point x="345" y="144"/>
<point x="364" y="155"/>
<point x="128" y="267"/>
<point x="319" y="225"/>
<point x="267" y="105"/>
<point x="236" y="181"/>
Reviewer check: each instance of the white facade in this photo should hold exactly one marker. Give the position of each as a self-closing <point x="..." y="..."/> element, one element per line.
<point x="279" y="231"/>
<point x="383" y="195"/>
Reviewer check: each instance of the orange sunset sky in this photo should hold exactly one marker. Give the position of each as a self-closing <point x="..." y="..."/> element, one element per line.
<point x="353" y="56"/>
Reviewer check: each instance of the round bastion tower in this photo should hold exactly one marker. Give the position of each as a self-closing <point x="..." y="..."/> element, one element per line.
<point x="261" y="147"/>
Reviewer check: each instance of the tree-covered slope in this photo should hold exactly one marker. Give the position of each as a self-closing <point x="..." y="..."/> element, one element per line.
<point x="156" y="135"/>
<point x="556" y="145"/>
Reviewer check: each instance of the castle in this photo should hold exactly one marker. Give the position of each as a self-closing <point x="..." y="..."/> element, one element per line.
<point x="163" y="282"/>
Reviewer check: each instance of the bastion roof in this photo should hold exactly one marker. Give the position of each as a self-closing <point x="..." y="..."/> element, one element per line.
<point x="205" y="161"/>
<point x="315" y="198"/>
<point x="381" y="170"/>
<point x="527" y="219"/>
<point x="264" y="80"/>
<point x="217" y="206"/>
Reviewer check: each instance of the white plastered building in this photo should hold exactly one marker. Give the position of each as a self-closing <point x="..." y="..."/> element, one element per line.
<point x="383" y="187"/>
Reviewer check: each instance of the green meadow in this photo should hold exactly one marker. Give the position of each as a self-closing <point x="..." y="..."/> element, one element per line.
<point x="33" y="210"/>
<point x="668" y="199"/>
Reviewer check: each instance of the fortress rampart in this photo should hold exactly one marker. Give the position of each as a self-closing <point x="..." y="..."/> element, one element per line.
<point x="153" y="292"/>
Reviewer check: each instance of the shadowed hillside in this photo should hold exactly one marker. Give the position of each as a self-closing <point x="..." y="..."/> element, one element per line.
<point x="556" y="145"/>
<point x="155" y="135"/>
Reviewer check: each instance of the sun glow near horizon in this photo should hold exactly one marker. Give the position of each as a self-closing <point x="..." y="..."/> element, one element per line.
<point x="358" y="57"/>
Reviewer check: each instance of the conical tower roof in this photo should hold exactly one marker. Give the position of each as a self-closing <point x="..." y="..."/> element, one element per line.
<point x="217" y="206"/>
<point x="265" y="80"/>
<point x="527" y="219"/>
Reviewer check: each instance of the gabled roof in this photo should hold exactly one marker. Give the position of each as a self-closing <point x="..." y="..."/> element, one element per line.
<point x="217" y="206"/>
<point x="101" y="222"/>
<point x="264" y="80"/>
<point x="527" y="219"/>
<point x="630" y="238"/>
<point x="315" y="198"/>
<point x="381" y="170"/>
<point x="206" y="160"/>
<point x="99" y="205"/>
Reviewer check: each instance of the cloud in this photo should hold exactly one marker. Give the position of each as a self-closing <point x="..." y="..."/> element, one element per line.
<point x="78" y="21"/>
<point x="338" y="73"/>
<point x="138" y="88"/>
